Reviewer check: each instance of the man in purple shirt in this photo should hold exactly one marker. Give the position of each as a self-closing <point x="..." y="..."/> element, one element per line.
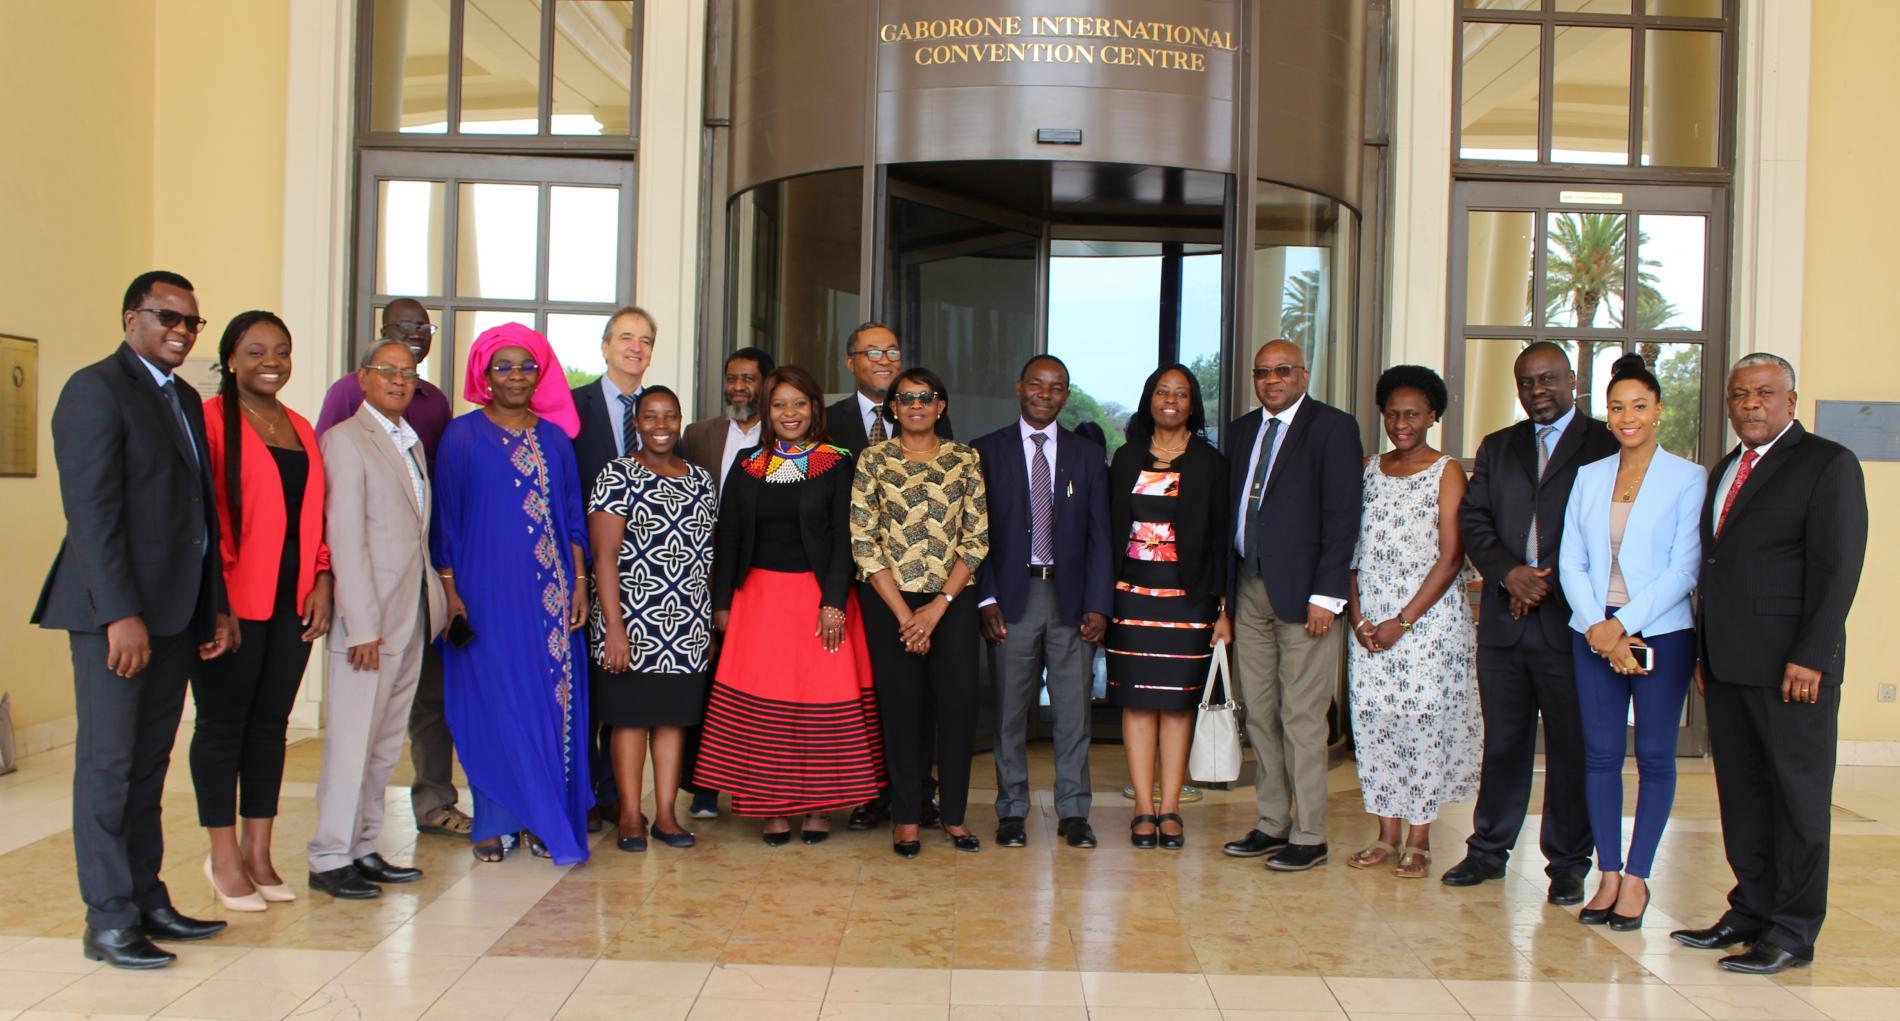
<point x="431" y="750"/>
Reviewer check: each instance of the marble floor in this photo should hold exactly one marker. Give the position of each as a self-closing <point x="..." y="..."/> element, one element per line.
<point x="735" y="929"/>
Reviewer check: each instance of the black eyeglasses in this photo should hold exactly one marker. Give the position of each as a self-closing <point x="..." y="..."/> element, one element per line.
<point x="909" y="398"/>
<point x="171" y="320"/>
<point x="389" y="371"/>
<point x="1282" y="371"/>
<point x="509" y="368"/>
<point x="409" y="326"/>
<point x="882" y="354"/>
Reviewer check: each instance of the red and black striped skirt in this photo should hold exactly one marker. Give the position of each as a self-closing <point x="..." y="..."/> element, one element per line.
<point x="790" y="728"/>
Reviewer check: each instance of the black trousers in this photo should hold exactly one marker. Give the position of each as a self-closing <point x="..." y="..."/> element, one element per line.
<point x="1516" y="685"/>
<point x="126" y="729"/>
<point x="908" y="686"/>
<point x="244" y="700"/>
<point x="1774" y="781"/>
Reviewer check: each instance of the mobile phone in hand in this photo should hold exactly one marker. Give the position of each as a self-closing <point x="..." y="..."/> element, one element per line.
<point x="460" y="634"/>
<point x="1645" y="657"/>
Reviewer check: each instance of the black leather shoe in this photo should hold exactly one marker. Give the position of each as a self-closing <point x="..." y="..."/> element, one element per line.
<point x="1145" y="841"/>
<point x="1297" y="857"/>
<point x="1173" y="841"/>
<point x="345" y="883"/>
<point x="376" y="870"/>
<point x="1566" y="888"/>
<point x="930" y="814"/>
<point x="1719" y="936"/>
<point x="867" y="816"/>
<point x="1764" y="958"/>
<point x="1596" y="916"/>
<point x="907" y="848"/>
<point x="1010" y="832"/>
<point x="124" y="948"/>
<point x="1471" y="872"/>
<point x="813" y="836"/>
<point x="1077" y="831"/>
<point x="1253" y="845"/>
<point x="964" y="842"/>
<point x="1628" y="923"/>
<point x="168" y="924"/>
<point x="776" y="839"/>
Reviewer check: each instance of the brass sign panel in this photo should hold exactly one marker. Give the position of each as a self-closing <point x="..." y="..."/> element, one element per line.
<point x="19" y="406"/>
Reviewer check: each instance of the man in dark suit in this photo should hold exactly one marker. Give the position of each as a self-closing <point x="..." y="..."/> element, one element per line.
<point x="1045" y="593"/>
<point x="873" y="358"/>
<point x="605" y="408"/>
<point x="1520" y="482"/>
<point x="715" y="441"/>
<point x="1783" y="540"/>
<point x="139" y="589"/>
<point x="1295" y="471"/>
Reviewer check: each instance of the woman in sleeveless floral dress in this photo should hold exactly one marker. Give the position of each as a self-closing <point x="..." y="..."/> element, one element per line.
<point x="1417" y="732"/>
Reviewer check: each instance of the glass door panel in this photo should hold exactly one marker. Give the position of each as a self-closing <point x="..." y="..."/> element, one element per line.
<point x="583" y="246"/>
<point x="497" y="230"/>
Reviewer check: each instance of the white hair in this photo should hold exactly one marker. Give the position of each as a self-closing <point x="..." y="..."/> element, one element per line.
<point x="1765" y="358"/>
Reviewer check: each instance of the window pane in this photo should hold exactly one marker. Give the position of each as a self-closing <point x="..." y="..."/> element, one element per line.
<point x="409" y="220"/>
<point x="1674" y="253"/>
<point x="593" y="67"/>
<point x="1104" y="321"/>
<point x="1499" y="251"/>
<point x="409" y="74"/>
<point x="1678" y="367"/>
<point x="794" y="281"/>
<point x="1490" y="394"/>
<point x="1682" y="73"/>
<point x="1590" y="117"/>
<point x="1686" y="8"/>
<point x="1594" y="6"/>
<point x="1498" y="118"/>
<point x="501" y="67"/>
<point x="496" y="238"/>
<point x="1502" y="5"/>
<point x="469" y="324"/>
<point x="576" y="342"/>
<point x="1583" y="269"/>
<point x="1200" y="331"/>
<point x="1595" y="362"/>
<point x="583" y="244"/>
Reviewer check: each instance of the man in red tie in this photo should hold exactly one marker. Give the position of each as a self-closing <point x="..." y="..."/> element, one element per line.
<point x="1782" y="544"/>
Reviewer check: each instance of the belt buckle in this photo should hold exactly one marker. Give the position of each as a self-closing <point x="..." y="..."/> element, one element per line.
<point x="1042" y="571"/>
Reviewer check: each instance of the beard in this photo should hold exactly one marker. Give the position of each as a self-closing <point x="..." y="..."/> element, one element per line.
<point x="742" y="413"/>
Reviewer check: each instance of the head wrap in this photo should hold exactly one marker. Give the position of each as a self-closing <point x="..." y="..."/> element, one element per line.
<point x="552" y="400"/>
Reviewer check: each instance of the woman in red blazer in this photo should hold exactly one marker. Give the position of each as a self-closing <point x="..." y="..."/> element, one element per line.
<point x="269" y="479"/>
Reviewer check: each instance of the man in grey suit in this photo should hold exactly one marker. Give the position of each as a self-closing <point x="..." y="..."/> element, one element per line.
<point x="139" y="589"/>
<point x="389" y="604"/>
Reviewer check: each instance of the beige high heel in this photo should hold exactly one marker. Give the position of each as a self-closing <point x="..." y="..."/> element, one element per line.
<point x="252" y="901"/>
<point x="276" y="894"/>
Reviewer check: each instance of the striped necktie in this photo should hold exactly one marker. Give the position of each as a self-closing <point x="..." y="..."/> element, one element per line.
<point x="1042" y="505"/>
<point x="629" y="437"/>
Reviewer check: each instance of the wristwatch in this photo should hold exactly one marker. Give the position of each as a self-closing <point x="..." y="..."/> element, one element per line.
<point x="947" y="598"/>
<point x="1404" y="625"/>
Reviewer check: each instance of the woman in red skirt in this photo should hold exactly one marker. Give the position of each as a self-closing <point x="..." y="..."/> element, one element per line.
<point x="791" y="727"/>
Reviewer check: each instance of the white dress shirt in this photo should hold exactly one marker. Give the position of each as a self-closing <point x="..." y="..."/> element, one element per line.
<point x="868" y="410"/>
<point x="1735" y="466"/>
<point x="737" y="438"/>
<point x="1331" y="604"/>
<point x="404" y="436"/>
<point x="1029" y="473"/>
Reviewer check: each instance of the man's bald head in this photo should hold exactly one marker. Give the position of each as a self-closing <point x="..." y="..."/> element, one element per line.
<point x="1279" y="375"/>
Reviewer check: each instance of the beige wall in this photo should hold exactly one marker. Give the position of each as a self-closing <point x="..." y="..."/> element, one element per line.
<point x="123" y="160"/>
<point x="1852" y="303"/>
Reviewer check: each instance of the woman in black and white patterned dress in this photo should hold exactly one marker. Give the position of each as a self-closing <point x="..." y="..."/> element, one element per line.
<point x="651" y="523"/>
<point x="1416" y="728"/>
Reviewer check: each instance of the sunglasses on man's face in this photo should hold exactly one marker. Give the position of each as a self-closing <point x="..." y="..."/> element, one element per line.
<point x="1282" y="371"/>
<point x="171" y="320"/>
<point x="910" y="398"/>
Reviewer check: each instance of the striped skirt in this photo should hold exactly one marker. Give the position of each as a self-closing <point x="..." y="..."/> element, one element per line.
<point x="789" y="727"/>
<point x="1157" y="640"/>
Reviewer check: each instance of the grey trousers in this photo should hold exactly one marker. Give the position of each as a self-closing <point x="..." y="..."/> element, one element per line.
<point x="366" y="717"/>
<point x="431" y="750"/>
<point x="1040" y="639"/>
<point x="1286" y="679"/>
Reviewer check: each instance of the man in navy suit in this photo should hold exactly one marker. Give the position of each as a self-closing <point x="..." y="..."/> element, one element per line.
<point x="1045" y="593"/>
<point x="1296" y="472"/>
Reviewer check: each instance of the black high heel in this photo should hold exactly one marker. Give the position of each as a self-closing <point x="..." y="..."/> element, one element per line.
<point x="907" y="848"/>
<point x="776" y="839"/>
<point x="1145" y="841"/>
<point x="1630" y="923"/>
<point x="810" y="836"/>
<point x="1171" y="841"/>
<point x="1596" y="916"/>
<point x="964" y="842"/>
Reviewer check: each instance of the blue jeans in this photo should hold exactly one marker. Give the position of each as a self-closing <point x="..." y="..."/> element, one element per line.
<point x="1604" y="698"/>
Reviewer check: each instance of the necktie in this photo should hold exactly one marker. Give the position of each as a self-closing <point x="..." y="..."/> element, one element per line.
<point x="1543" y="461"/>
<point x="1042" y="505"/>
<point x="876" y="433"/>
<point x="1749" y="458"/>
<point x="629" y="437"/>
<point x="1256" y="491"/>
<point x="184" y="424"/>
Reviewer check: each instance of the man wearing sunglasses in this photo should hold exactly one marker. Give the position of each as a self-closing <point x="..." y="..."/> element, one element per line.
<point x="433" y="795"/>
<point x="138" y="587"/>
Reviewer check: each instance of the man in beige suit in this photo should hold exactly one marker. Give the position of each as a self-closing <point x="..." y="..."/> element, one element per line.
<point x="389" y="604"/>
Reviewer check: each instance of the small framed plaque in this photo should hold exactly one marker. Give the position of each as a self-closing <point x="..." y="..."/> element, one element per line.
<point x="19" y="406"/>
<point x="1871" y="429"/>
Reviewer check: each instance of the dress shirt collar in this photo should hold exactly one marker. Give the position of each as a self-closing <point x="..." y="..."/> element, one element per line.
<point x="400" y="430"/>
<point x="159" y="375"/>
<point x="1762" y="451"/>
<point x="613" y="392"/>
<point x="1030" y="430"/>
<point x="1562" y="425"/>
<point x="1285" y="417"/>
<point x="866" y="405"/>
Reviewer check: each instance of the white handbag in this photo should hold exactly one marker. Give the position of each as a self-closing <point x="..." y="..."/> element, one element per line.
<point x="1214" y="756"/>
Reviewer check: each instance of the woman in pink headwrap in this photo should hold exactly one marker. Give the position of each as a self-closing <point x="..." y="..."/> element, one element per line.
<point x="510" y="542"/>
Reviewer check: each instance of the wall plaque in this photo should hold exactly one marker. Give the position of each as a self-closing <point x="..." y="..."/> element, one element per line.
<point x="1871" y="429"/>
<point x="19" y="406"/>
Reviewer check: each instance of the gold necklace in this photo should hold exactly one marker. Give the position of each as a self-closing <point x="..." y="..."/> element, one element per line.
<point x="921" y="453"/>
<point x="270" y="427"/>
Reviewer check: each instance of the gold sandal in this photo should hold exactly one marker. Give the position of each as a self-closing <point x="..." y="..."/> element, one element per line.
<point x="1414" y="854"/>
<point x="1363" y="859"/>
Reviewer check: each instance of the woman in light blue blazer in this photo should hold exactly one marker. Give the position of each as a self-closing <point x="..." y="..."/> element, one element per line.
<point x="1630" y="554"/>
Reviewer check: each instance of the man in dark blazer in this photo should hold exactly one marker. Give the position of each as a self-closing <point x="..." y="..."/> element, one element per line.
<point x="715" y="441"/>
<point x="1522" y="479"/>
<point x="1295" y="469"/>
<point x="1783" y="540"/>
<point x="1045" y="593"/>
<point x="605" y="408"/>
<point x="139" y="588"/>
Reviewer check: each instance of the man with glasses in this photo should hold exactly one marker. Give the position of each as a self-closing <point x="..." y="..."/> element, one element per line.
<point x="1296" y="474"/>
<point x="139" y="589"/>
<point x="1512" y="517"/>
<point x="432" y="796"/>
<point x="856" y="422"/>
